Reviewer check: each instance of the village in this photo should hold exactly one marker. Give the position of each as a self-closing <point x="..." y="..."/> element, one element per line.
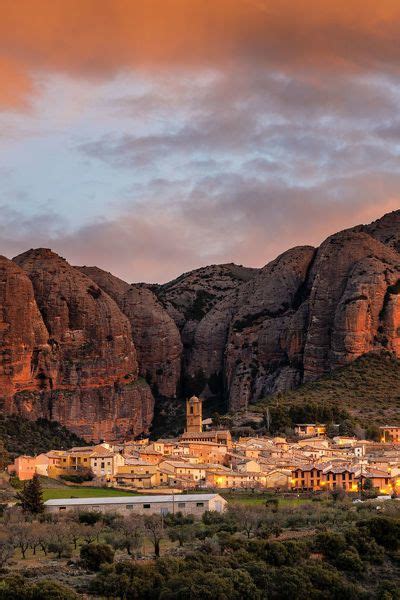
<point x="208" y="459"/>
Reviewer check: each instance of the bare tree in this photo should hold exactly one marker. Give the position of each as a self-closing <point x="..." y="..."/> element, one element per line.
<point x="20" y="537"/>
<point x="60" y="539"/>
<point x="154" y="527"/>
<point x="6" y="548"/>
<point x="76" y="532"/>
<point x="131" y="531"/>
<point x="248" y="518"/>
<point x="44" y="533"/>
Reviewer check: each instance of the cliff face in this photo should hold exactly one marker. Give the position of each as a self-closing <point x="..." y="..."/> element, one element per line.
<point x="113" y="286"/>
<point x="79" y="343"/>
<point x="157" y="340"/>
<point x="304" y="314"/>
<point x="23" y="335"/>
<point x="88" y="381"/>
<point x="155" y="334"/>
<point x="254" y="336"/>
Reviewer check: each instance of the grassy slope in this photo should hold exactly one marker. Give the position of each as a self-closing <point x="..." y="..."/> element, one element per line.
<point x="81" y="492"/>
<point x="368" y="388"/>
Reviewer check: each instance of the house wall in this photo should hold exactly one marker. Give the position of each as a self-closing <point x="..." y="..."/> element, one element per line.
<point x="180" y="505"/>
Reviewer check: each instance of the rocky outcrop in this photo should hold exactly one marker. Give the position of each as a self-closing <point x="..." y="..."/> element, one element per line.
<point x="304" y="314"/>
<point x="23" y="335"/>
<point x="386" y="230"/>
<point x="189" y="299"/>
<point x="155" y="334"/>
<point x="253" y="337"/>
<point x="76" y="341"/>
<point x="113" y="286"/>
<point x="347" y="313"/>
<point x="157" y="340"/>
<point x="192" y="295"/>
<point x="92" y="368"/>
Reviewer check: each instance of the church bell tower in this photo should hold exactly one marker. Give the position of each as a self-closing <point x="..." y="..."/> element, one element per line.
<point x="194" y="415"/>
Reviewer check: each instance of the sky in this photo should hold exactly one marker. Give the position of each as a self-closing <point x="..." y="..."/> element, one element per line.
<point x="152" y="137"/>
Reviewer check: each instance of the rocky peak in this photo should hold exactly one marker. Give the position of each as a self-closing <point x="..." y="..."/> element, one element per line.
<point x="92" y="353"/>
<point x="156" y="337"/>
<point x="386" y="229"/>
<point x="113" y="286"/>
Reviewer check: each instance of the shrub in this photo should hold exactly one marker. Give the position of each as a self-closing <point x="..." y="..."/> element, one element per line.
<point x="89" y="517"/>
<point x="94" y="556"/>
<point x="349" y="560"/>
<point x="384" y="530"/>
<point x="330" y="544"/>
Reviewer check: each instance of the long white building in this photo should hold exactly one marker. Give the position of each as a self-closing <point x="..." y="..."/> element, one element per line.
<point x="189" y="504"/>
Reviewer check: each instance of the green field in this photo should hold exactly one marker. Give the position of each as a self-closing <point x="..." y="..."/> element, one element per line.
<point x="260" y="499"/>
<point x="81" y="492"/>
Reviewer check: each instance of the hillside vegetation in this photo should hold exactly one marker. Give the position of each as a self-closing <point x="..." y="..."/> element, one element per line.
<point x="368" y="390"/>
<point x="22" y="436"/>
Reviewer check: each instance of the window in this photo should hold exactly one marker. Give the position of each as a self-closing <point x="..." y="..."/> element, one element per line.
<point x="146" y="505"/>
<point x="129" y="506"/>
<point x="62" y="508"/>
<point x="102" y="465"/>
<point x="191" y="410"/>
<point x="199" y="504"/>
<point x="181" y="504"/>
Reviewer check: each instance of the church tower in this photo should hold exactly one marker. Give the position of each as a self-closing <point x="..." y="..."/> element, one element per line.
<point x="194" y="415"/>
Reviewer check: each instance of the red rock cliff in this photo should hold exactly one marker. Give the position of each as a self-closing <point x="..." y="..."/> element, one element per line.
<point x="90" y="379"/>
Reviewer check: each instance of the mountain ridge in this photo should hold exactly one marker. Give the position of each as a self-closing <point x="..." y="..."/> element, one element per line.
<point x="97" y="353"/>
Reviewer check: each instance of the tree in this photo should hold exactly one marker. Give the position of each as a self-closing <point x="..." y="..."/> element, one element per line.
<point x="95" y="555"/>
<point x="131" y="533"/>
<point x="60" y="540"/>
<point x="384" y="530"/>
<point x="31" y="496"/>
<point x="181" y="534"/>
<point x="154" y="527"/>
<point x="20" y="537"/>
<point x="4" y="456"/>
<point x="247" y="518"/>
<point x="76" y="532"/>
<point x="6" y="550"/>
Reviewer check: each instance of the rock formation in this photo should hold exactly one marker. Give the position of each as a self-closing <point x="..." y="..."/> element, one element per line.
<point x="155" y="334"/>
<point x="90" y="380"/>
<point x="307" y="312"/>
<point x="79" y="344"/>
<point x="23" y="335"/>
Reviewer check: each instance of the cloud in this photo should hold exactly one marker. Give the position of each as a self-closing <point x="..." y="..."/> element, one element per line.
<point x="98" y="39"/>
<point x="224" y="219"/>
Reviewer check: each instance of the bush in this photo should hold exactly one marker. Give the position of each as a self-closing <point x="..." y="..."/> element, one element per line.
<point x="94" y="556"/>
<point x="52" y="590"/>
<point x="349" y="560"/>
<point x="384" y="530"/>
<point x="330" y="544"/>
<point x="79" y="477"/>
<point x="89" y="517"/>
<point x="15" y="587"/>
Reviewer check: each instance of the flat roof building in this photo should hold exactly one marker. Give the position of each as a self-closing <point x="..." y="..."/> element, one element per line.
<point x="189" y="504"/>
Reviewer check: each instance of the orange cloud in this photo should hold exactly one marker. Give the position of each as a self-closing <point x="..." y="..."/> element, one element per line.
<point x="98" y="38"/>
<point x="15" y="84"/>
